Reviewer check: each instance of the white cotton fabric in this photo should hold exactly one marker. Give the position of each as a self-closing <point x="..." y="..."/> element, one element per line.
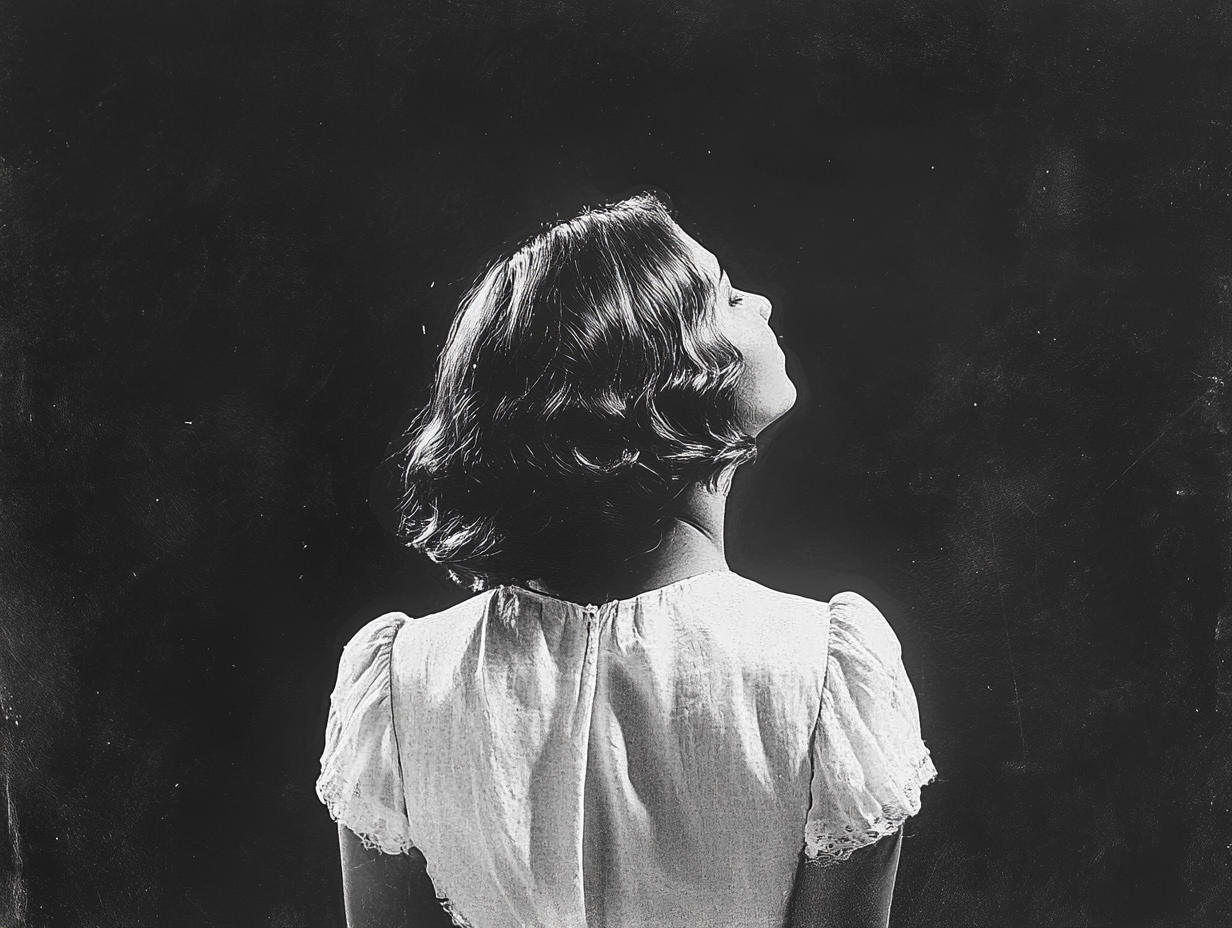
<point x="656" y="761"/>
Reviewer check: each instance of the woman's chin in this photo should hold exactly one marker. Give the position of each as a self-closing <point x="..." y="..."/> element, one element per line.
<point x="755" y="419"/>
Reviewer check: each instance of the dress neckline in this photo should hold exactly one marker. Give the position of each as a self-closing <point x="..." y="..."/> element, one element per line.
<point x="656" y="591"/>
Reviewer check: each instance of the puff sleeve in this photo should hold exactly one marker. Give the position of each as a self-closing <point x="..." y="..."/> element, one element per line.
<point x="869" y="760"/>
<point x="361" y="776"/>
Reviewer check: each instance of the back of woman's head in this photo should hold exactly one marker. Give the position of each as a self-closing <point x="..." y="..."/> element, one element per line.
<point x="583" y="386"/>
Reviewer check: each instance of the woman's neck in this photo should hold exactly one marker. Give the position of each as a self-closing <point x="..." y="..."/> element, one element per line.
<point x="692" y="544"/>
<point x="693" y="541"/>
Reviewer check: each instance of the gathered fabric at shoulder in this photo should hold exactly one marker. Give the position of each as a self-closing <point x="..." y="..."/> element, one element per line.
<point x="869" y="760"/>
<point x="361" y="776"/>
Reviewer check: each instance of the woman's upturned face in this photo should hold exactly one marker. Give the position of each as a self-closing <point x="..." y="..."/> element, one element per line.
<point x="765" y="392"/>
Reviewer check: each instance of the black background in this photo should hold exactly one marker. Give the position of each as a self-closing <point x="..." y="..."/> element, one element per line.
<point x="997" y="239"/>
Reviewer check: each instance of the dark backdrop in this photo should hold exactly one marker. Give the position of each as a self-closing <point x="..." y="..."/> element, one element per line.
<point x="997" y="238"/>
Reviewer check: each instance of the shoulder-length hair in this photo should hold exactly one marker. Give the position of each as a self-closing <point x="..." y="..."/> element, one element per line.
<point x="584" y="384"/>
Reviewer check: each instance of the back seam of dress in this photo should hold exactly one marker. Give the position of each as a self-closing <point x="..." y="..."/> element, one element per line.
<point x="596" y="621"/>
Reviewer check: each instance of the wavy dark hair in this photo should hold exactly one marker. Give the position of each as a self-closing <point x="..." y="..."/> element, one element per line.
<point x="583" y="386"/>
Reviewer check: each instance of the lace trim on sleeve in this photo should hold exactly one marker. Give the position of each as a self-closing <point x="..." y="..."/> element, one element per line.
<point x="827" y="843"/>
<point x="361" y="778"/>
<point x="380" y="832"/>
<point x="869" y="761"/>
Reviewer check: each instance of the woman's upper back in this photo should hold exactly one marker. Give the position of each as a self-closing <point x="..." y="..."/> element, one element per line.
<point x="660" y="760"/>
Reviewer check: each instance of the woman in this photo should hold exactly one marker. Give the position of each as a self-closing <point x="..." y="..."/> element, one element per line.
<point x="619" y="731"/>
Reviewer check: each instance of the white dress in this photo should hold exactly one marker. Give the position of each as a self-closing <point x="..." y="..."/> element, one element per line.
<point x="655" y="761"/>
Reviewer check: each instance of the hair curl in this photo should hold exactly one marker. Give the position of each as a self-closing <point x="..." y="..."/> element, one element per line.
<point x="583" y="386"/>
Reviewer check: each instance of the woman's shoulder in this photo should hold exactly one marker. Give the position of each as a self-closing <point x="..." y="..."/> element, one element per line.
<point x="469" y="610"/>
<point x="742" y="589"/>
<point x="847" y="608"/>
<point x="849" y="605"/>
<point x="737" y="595"/>
<point x="858" y="624"/>
<point x="381" y="638"/>
<point x="845" y="622"/>
<point x="738" y="615"/>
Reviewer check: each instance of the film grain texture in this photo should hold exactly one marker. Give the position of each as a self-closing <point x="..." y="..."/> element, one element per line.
<point x="996" y="236"/>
